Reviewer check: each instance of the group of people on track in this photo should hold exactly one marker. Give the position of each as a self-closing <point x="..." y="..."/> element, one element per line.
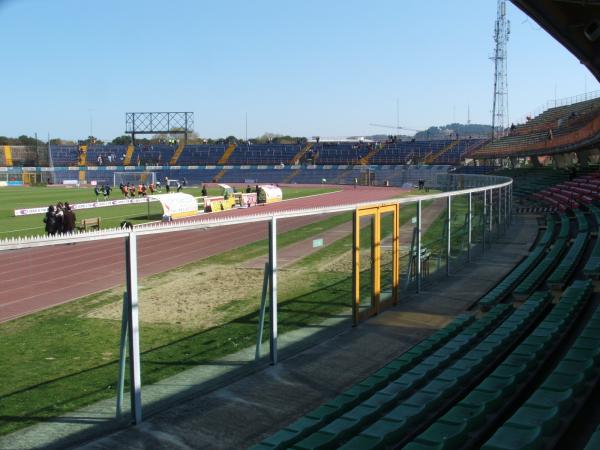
<point x="59" y="219"/>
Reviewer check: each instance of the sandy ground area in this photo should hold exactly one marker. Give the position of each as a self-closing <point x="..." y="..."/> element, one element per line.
<point x="195" y="298"/>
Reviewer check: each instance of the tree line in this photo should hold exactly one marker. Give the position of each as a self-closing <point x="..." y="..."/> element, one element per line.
<point x="193" y="138"/>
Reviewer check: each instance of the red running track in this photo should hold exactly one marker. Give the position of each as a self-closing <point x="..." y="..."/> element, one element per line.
<point x="39" y="278"/>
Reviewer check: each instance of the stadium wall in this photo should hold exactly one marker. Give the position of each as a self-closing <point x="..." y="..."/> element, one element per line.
<point x="394" y="175"/>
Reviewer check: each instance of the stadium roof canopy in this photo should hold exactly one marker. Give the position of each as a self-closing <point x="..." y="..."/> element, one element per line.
<point x="574" y="23"/>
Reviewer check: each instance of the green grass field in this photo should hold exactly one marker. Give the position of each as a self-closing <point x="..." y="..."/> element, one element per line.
<point x="12" y="198"/>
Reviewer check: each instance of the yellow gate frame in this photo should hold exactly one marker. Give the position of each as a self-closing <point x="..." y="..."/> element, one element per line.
<point x="375" y="213"/>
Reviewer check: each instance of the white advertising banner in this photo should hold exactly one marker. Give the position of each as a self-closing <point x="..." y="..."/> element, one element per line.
<point x="75" y="206"/>
<point x="177" y="205"/>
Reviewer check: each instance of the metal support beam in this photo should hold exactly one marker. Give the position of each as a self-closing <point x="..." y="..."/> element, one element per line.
<point x="122" y="355"/>
<point x="484" y="224"/>
<point x="470" y="226"/>
<point x="356" y="268"/>
<point x="449" y="235"/>
<point x="273" y="290"/>
<point x="261" y="316"/>
<point x="499" y="210"/>
<point x="134" y="329"/>
<point x="491" y="212"/>
<point x="505" y="207"/>
<point x="418" y="258"/>
<point x="510" y="206"/>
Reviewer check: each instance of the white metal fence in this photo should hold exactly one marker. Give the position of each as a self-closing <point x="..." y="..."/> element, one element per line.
<point x="498" y="188"/>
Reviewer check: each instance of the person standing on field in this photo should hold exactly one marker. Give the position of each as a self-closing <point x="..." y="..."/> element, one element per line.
<point x="50" y="221"/>
<point x="68" y="219"/>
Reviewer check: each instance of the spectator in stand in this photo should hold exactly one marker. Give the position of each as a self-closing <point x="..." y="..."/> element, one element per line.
<point x="68" y="219"/>
<point x="50" y="221"/>
<point x="99" y="160"/>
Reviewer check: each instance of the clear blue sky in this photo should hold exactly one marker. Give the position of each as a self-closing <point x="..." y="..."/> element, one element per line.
<point x="310" y="67"/>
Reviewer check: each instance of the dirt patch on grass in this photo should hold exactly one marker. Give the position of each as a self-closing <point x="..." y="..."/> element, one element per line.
<point x="189" y="298"/>
<point x="204" y="297"/>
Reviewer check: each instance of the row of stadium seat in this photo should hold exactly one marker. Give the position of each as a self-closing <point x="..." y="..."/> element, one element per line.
<point x="567" y="265"/>
<point x="505" y="287"/>
<point x="433" y="372"/>
<point x="543" y="416"/>
<point x="477" y="413"/>
<point x="556" y="127"/>
<point x="406" y="386"/>
<point x="409" y="416"/>
<point x="570" y="194"/>
<point x="541" y="270"/>
<point x="367" y="387"/>
<point x="480" y="379"/>
<point x="244" y="154"/>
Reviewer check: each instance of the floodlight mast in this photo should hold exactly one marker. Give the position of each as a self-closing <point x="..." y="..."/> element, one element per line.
<point x="500" y="104"/>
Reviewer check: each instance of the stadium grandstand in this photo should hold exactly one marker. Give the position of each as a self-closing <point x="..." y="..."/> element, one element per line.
<point x="418" y="294"/>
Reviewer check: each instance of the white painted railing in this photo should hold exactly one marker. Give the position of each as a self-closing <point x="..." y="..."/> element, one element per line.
<point x="497" y="187"/>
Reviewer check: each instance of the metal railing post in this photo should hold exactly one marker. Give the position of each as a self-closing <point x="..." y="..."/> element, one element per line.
<point x="510" y="199"/>
<point x="134" y="329"/>
<point x="505" y="199"/>
<point x="469" y="229"/>
<point x="273" y="290"/>
<point x="499" y="210"/>
<point x="418" y="258"/>
<point x="484" y="224"/>
<point x="491" y="230"/>
<point x="449" y="235"/>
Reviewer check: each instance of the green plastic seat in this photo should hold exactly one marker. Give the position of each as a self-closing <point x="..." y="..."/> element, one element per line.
<point x="511" y="437"/>
<point x="548" y="419"/>
<point x="546" y="398"/>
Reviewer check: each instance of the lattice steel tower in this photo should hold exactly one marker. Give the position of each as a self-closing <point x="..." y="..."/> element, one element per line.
<point x="500" y="107"/>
